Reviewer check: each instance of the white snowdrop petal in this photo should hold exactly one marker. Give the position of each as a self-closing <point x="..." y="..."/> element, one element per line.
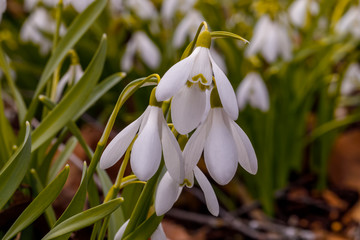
<point x="271" y="45"/>
<point x="128" y="56"/>
<point x="120" y="232"/>
<point x="210" y="197"/>
<point x="2" y="8"/>
<point x="173" y="157"/>
<point x="81" y="5"/>
<point x="246" y="154"/>
<point x="226" y="92"/>
<point x="284" y="44"/>
<point x="146" y="152"/>
<point x="158" y="234"/>
<point x="187" y="108"/>
<point x="259" y="36"/>
<point x="244" y="91"/>
<point x="297" y="12"/>
<point x="117" y="147"/>
<point x="149" y="52"/>
<point x="220" y="152"/>
<point x="166" y="194"/>
<point x="195" y="145"/>
<point x="202" y="67"/>
<point x="174" y="78"/>
<point x="168" y="9"/>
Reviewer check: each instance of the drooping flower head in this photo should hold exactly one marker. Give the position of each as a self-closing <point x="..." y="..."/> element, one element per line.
<point x="224" y="145"/>
<point x="351" y="80"/>
<point x="253" y="90"/>
<point x="270" y="38"/>
<point x="2" y="8"/>
<point x="187" y="82"/>
<point x="72" y="76"/>
<point x="153" y="138"/>
<point x="350" y="22"/>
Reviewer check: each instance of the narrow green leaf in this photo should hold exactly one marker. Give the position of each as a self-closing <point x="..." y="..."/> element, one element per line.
<point x="38" y="187"/>
<point x="7" y="137"/>
<point x="146" y="229"/>
<point x="78" y="27"/>
<point x="62" y="159"/>
<point x="39" y="204"/>
<point x="84" y="219"/>
<point x="77" y="203"/>
<point x="69" y="105"/>
<point x="20" y="104"/>
<point x="15" y="169"/>
<point x="223" y="34"/>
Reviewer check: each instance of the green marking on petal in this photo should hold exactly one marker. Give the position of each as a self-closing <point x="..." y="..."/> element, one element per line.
<point x="215" y="99"/>
<point x="186" y="182"/>
<point x="202" y="78"/>
<point x="204" y="39"/>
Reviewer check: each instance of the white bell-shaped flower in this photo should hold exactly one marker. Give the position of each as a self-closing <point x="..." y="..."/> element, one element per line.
<point x="351" y="80"/>
<point x="154" y="137"/>
<point x="270" y="38"/>
<point x="299" y="10"/>
<point x="38" y="23"/>
<point x="144" y="9"/>
<point x="350" y="22"/>
<point x="72" y="76"/>
<point x="253" y="90"/>
<point x="170" y="7"/>
<point x="158" y="234"/>
<point x="187" y="28"/>
<point x="187" y="81"/>
<point x="224" y="145"/>
<point x="142" y="45"/>
<point x="2" y="8"/>
<point x="169" y="190"/>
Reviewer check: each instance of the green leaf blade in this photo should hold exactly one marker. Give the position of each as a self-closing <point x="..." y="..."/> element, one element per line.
<point x="39" y="204"/>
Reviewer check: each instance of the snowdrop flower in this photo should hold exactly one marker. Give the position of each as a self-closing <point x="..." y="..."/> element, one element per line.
<point x="140" y="43"/>
<point x="350" y="22"/>
<point x="73" y="75"/>
<point x="187" y="81"/>
<point x="31" y="4"/>
<point x="168" y="192"/>
<point x="270" y="39"/>
<point x="39" y="22"/>
<point x="351" y="80"/>
<point x="2" y="8"/>
<point x="154" y="137"/>
<point x="224" y="144"/>
<point x="157" y="235"/>
<point x="299" y="9"/>
<point x="187" y="28"/>
<point x="79" y="5"/>
<point x="253" y="90"/>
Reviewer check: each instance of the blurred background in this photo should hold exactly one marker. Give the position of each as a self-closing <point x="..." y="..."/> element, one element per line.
<point x="297" y="84"/>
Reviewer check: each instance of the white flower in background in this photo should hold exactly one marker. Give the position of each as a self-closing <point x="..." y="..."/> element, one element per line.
<point x="157" y="235"/>
<point x="187" y="28"/>
<point x="187" y="81"/>
<point x="168" y="192"/>
<point x="154" y="137"/>
<point x="142" y="45"/>
<point x="170" y="7"/>
<point x="253" y="90"/>
<point x="38" y="23"/>
<point x="72" y="76"/>
<point x="351" y="79"/>
<point x="299" y="9"/>
<point x="79" y="5"/>
<point x="2" y="8"/>
<point x="270" y="38"/>
<point x="224" y="145"/>
<point x="350" y="22"/>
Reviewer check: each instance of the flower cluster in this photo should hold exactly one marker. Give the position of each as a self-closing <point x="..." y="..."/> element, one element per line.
<point x="202" y="99"/>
